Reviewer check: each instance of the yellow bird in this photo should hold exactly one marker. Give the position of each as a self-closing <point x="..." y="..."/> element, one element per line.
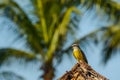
<point x="78" y="53"/>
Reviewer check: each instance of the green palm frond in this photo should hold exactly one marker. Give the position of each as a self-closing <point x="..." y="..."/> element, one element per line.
<point x="25" y="25"/>
<point x="110" y="7"/>
<point x="60" y="31"/>
<point x="42" y="19"/>
<point x="7" y="52"/>
<point x="89" y="35"/>
<point x="111" y="38"/>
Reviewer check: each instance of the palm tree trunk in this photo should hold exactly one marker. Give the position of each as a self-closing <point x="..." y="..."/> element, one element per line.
<point x="48" y="70"/>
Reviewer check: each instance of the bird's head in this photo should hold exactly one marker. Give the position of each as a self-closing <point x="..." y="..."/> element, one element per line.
<point x="75" y="46"/>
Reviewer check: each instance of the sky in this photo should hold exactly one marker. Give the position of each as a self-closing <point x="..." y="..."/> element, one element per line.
<point x="31" y="70"/>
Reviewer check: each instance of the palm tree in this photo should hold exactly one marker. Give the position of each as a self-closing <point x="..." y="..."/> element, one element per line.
<point x="47" y="35"/>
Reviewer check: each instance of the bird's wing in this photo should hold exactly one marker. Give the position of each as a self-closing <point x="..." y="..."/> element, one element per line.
<point x="84" y="56"/>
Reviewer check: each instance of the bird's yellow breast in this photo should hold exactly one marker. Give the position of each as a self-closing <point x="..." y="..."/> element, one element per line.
<point x="78" y="55"/>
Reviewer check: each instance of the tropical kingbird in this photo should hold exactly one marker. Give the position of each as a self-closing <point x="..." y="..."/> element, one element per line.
<point x="78" y="53"/>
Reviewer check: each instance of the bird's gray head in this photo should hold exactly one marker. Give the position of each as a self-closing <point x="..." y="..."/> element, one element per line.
<point x="75" y="46"/>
